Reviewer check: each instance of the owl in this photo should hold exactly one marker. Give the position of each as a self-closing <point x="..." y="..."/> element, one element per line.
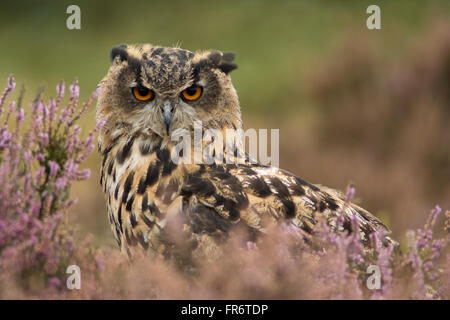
<point x="152" y="92"/>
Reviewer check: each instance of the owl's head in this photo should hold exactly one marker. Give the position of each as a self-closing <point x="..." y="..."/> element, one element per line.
<point x="157" y="90"/>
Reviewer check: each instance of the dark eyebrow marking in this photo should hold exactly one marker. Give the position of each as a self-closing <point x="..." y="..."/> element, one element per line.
<point x="136" y="66"/>
<point x="197" y="67"/>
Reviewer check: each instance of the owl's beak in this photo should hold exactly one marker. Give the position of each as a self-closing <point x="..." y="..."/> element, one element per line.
<point x="167" y="109"/>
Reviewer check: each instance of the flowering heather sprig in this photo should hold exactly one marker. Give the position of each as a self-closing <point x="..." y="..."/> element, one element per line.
<point x="10" y="87"/>
<point x="345" y="255"/>
<point x="38" y="164"/>
<point x="424" y="253"/>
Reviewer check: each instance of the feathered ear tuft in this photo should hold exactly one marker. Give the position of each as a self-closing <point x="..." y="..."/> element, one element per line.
<point x="228" y="67"/>
<point x="223" y="61"/>
<point x="228" y="56"/>
<point x="226" y="64"/>
<point x="119" y="51"/>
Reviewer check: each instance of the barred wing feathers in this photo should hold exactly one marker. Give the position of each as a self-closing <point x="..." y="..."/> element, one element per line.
<point x="253" y="194"/>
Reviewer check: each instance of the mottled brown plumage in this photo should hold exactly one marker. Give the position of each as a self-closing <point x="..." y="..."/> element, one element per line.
<point x="145" y="189"/>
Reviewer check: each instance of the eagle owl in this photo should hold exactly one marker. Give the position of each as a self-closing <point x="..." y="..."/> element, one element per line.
<point x="149" y="93"/>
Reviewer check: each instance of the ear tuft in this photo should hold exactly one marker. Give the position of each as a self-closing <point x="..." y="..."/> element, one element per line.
<point x="222" y="61"/>
<point x="215" y="57"/>
<point x="121" y="51"/>
<point x="228" y="56"/>
<point x="226" y="62"/>
<point x="227" y="67"/>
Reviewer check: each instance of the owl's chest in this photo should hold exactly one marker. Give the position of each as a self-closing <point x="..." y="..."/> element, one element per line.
<point x="138" y="189"/>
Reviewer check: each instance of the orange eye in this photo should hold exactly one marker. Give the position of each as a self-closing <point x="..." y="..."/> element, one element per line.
<point x="192" y="93"/>
<point x="142" y="93"/>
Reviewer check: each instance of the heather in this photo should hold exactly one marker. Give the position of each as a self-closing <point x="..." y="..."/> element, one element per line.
<point x="42" y="151"/>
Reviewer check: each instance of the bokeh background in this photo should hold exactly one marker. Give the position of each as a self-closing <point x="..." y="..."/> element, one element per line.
<point x="371" y="107"/>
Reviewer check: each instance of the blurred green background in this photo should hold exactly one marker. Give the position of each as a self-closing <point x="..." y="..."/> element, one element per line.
<point x="274" y="40"/>
<point x="352" y="104"/>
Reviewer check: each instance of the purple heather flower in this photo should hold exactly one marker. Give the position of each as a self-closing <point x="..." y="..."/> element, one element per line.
<point x="74" y="91"/>
<point x="20" y="115"/>
<point x="40" y="157"/>
<point x="72" y="201"/>
<point x="251" y="246"/>
<point x="89" y="140"/>
<point x="10" y="87"/>
<point x="84" y="174"/>
<point x="5" y="137"/>
<point x="61" y="183"/>
<point x="51" y="111"/>
<point x="101" y="124"/>
<point x="60" y="88"/>
<point x="434" y="214"/>
<point x="9" y="252"/>
<point x="11" y="84"/>
<point x="54" y="282"/>
<point x="97" y="91"/>
<point x="72" y="140"/>
<point x="437" y="246"/>
<point x="54" y="167"/>
<point x="12" y="107"/>
<point x="350" y="192"/>
<point x="70" y="169"/>
<point x="64" y="116"/>
<point x="44" y="138"/>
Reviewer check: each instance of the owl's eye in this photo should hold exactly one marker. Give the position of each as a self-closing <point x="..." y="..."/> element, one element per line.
<point x="142" y="93"/>
<point x="192" y="93"/>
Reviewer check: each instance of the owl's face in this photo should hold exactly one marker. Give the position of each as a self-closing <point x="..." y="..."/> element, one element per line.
<point x="158" y="90"/>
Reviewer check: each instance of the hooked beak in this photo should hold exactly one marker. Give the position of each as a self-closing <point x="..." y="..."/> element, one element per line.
<point x="167" y="110"/>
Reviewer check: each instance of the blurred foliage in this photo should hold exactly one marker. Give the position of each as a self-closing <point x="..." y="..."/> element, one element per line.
<point x="274" y="40"/>
<point x="390" y="118"/>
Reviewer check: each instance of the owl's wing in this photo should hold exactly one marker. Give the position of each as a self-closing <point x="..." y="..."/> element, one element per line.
<point x="215" y="198"/>
<point x="224" y="195"/>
